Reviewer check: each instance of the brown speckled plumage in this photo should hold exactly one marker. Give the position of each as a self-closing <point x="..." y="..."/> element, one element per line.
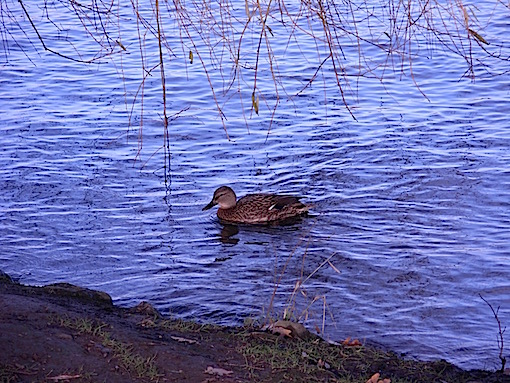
<point x="255" y="208"/>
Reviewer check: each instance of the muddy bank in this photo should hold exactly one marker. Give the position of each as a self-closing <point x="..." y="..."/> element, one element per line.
<point x="64" y="333"/>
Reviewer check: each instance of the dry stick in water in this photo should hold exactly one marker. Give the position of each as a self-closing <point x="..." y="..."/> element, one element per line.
<point x="500" y="335"/>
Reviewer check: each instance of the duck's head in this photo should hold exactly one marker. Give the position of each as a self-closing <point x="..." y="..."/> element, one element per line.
<point x="224" y="197"/>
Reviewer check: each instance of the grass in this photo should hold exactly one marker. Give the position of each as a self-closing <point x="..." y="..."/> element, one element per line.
<point x="252" y="354"/>
<point x="317" y="360"/>
<point x="308" y="358"/>
<point x="185" y="326"/>
<point x="14" y="373"/>
<point x="247" y="353"/>
<point x="134" y="363"/>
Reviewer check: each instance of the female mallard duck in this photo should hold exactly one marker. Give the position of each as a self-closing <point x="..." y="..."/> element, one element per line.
<point x="255" y="208"/>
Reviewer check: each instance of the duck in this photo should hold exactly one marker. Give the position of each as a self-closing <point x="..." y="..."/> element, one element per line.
<point x="256" y="208"/>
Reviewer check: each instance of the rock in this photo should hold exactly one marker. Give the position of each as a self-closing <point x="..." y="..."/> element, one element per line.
<point x="5" y="278"/>
<point x="295" y="330"/>
<point x="145" y="308"/>
<point x="69" y="290"/>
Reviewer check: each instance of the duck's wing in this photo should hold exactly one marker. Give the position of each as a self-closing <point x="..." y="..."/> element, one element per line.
<point x="279" y="202"/>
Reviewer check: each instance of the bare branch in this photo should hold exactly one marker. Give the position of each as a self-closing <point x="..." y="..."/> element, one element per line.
<point x="501" y="331"/>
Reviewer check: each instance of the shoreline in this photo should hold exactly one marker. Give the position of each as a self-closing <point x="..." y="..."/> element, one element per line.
<point x="65" y="333"/>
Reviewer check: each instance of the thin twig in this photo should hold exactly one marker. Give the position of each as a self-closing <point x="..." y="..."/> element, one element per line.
<point x="46" y="48"/>
<point x="501" y="344"/>
<point x="166" y="139"/>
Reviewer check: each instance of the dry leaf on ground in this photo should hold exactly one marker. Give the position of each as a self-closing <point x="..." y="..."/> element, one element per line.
<point x="282" y="331"/>
<point x="290" y="329"/>
<point x="351" y="343"/>
<point x="375" y="379"/>
<point x="217" y="371"/>
<point x="63" y="377"/>
<point x="183" y="340"/>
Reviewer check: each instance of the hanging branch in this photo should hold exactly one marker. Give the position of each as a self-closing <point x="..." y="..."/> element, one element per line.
<point x="46" y="48"/>
<point x="166" y="138"/>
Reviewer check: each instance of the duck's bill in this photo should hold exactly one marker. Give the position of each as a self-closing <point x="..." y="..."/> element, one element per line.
<point x="210" y="205"/>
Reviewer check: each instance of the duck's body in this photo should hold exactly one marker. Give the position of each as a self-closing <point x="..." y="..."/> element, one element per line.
<point x="255" y="208"/>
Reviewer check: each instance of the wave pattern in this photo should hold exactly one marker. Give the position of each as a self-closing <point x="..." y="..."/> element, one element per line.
<point x="411" y="201"/>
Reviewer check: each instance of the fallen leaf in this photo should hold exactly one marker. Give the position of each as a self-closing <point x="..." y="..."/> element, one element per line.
<point x="217" y="371"/>
<point x="282" y="331"/>
<point x="375" y="379"/>
<point x="290" y="329"/>
<point x="183" y="340"/>
<point x="323" y="364"/>
<point x="351" y="343"/>
<point x="64" y="377"/>
<point x="147" y="323"/>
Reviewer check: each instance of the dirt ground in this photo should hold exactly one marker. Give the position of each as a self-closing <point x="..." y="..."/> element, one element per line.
<point x="63" y="333"/>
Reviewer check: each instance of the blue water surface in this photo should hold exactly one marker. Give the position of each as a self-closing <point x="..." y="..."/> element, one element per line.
<point x="411" y="199"/>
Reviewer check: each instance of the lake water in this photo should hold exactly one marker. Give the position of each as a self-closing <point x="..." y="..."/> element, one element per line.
<point x="411" y="200"/>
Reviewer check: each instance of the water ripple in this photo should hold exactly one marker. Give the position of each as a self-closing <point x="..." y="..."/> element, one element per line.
<point x="411" y="201"/>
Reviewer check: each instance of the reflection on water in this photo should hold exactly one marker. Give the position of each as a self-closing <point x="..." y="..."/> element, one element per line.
<point x="411" y="202"/>
<point x="227" y="232"/>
